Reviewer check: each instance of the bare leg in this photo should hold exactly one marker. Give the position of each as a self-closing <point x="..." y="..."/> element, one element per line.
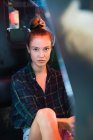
<point x="35" y="133"/>
<point x="45" y="126"/>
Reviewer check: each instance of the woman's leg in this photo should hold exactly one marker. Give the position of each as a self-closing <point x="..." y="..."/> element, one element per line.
<point x="45" y="126"/>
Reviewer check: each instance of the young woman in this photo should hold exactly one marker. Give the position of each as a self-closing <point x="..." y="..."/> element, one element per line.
<point x="40" y="104"/>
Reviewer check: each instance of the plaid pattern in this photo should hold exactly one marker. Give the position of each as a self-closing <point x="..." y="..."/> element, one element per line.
<point x="28" y="97"/>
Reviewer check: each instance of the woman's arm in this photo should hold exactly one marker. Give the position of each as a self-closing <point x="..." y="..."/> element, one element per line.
<point x="22" y="102"/>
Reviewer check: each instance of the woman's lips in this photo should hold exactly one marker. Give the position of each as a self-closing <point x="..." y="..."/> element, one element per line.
<point x="41" y="61"/>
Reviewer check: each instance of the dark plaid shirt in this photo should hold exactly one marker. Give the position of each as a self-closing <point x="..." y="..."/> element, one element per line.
<point x="28" y="97"/>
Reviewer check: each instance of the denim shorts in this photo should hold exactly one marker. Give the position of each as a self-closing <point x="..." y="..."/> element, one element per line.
<point x="63" y="133"/>
<point x="26" y="132"/>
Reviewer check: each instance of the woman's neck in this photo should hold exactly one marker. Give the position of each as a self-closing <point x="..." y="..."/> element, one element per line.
<point x="39" y="70"/>
<point x="41" y="74"/>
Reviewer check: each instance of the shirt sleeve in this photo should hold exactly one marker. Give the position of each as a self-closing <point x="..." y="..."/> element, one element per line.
<point x="23" y="102"/>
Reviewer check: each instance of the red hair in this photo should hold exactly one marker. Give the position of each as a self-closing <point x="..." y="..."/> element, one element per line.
<point x="38" y="32"/>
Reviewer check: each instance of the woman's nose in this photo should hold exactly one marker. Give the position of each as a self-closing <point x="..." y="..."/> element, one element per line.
<point x="41" y="53"/>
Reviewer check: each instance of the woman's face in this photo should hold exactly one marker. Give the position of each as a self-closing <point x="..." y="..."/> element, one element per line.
<point x="40" y="50"/>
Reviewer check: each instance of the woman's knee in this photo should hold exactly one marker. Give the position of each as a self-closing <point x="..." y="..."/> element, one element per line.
<point x="45" y="114"/>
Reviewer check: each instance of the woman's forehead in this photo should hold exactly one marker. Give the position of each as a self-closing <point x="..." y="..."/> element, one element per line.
<point x="37" y="40"/>
<point x="41" y="36"/>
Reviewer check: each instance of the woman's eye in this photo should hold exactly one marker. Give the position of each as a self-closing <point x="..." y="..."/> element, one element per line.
<point x="46" y="49"/>
<point x="36" y="49"/>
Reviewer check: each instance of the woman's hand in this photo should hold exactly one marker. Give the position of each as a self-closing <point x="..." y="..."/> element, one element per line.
<point x="67" y="123"/>
<point x="71" y="123"/>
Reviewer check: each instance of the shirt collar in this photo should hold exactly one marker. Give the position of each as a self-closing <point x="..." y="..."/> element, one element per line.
<point x="32" y="74"/>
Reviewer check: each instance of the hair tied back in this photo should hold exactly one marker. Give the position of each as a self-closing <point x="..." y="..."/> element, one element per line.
<point x="37" y="22"/>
